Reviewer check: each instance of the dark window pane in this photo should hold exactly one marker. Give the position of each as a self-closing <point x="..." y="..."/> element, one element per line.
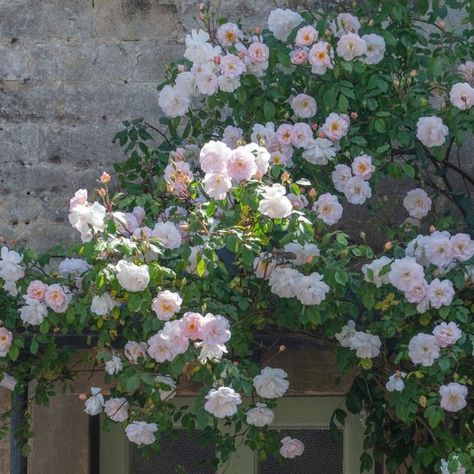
<point x="322" y="454"/>
<point x="182" y="456"/>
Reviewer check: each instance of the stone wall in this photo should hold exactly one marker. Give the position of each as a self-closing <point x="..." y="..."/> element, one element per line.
<point x="70" y="72"/>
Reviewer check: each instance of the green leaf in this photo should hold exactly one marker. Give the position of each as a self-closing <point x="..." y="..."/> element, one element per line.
<point x="269" y="111"/>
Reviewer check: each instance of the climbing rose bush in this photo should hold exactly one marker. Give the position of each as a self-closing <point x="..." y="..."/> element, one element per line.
<point x="231" y="228"/>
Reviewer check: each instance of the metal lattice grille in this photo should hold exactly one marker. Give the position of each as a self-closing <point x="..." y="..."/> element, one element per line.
<point x="181" y="456"/>
<point x="322" y="455"/>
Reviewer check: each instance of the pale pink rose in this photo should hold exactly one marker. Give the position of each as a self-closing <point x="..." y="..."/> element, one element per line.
<point x="214" y="156"/>
<point x="306" y="36"/>
<point x="80" y="198"/>
<point x="173" y="333"/>
<point x="462" y="246"/>
<point x="467" y="71"/>
<point x="232" y="66"/>
<point x="283" y="282"/>
<point x="241" y="165"/>
<point x="173" y="102"/>
<point x="140" y="432"/>
<point x="291" y="447"/>
<point x="321" y="57"/>
<point x="258" y="52"/>
<point x="298" y="56"/>
<point x="57" y="298"/>
<point x="222" y="402"/>
<point x="417" y="203"/>
<point x="282" y="22"/>
<point x="215" y="329"/>
<point x="406" y="274"/>
<point x="438" y="249"/>
<point x="6" y="338"/>
<point x="346" y="23"/>
<point x="8" y="381"/>
<point x="36" y="290"/>
<point x="375" y="50"/>
<point x="447" y="334"/>
<point x="431" y="131"/>
<point x="116" y="409"/>
<point x="217" y="185"/>
<point x="228" y="34"/>
<point x="166" y="304"/>
<point x="301" y="135"/>
<point x="232" y="136"/>
<point x="440" y="293"/>
<point x="304" y="106"/>
<point x="357" y="191"/>
<point x="340" y="177"/>
<point x="134" y="351"/>
<point x="207" y="83"/>
<point x="262" y="158"/>
<point x="284" y="134"/>
<point x="297" y="201"/>
<point x="423" y="349"/>
<point x="453" y="396"/>
<point x="418" y="293"/>
<point x="160" y="348"/>
<point x="362" y="166"/>
<point x="336" y="126"/>
<point x="191" y="325"/>
<point x="328" y="208"/>
<point x="462" y="95"/>
<point x="351" y="46"/>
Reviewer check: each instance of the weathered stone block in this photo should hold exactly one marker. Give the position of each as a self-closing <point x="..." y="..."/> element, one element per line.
<point x="13" y="61"/>
<point x="19" y="143"/>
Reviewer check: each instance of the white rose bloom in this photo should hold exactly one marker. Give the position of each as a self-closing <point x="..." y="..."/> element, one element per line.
<point x="405" y="274"/>
<point x="262" y="158"/>
<point x="222" y="402"/>
<point x="260" y="415"/>
<point x="33" y="312"/>
<point x="166" y="304"/>
<point x="198" y="49"/>
<point x="438" y="249"/>
<point x="367" y="346"/>
<point x="83" y="217"/>
<point x="320" y="152"/>
<point x="282" y="22"/>
<point x="116" y="409"/>
<point x="232" y="136"/>
<point x="336" y="126"/>
<point x="241" y="165"/>
<point x="328" y="208"/>
<point x="134" y="350"/>
<point x="213" y="157"/>
<point x="207" y="83"/>
<point x="347" y="332"/>
<point x="375" y="48"/>
<point x="376" y="267"/>
<point x="166" y="393"/>
<point x="467" y="71"/>
<point x="271" y="383"/>
<point x="302" y="253"/>
<point x="291" y="447"/>
<point x="417" y="203"/>
<point x="263" y="134"/>
<point x="103" y="304"/>
<point x="462" y="96"/>
<point x="462" y="246"/>
<point x="357" y="191"/>
<point x="6" y="338"/>
<point x="132" y="277"/>
<point x="350" y="46"/>
<point x="304" y="106"/>
<point x="284" y="282"/>
<point x="423" y="349"/>
<point x="140" y="432"/>
<point x="173" y="102"/>
<point x="453" y="396"/>
<point x="228" y="83"/>
<point x="440" y="293"/>
<point x="346" y="23"/>
<point x="160" y="348"/>
<point x="306" y="36"/>
<point x="217" y="185"/>
<point x="185" y="84"/>
<point x="301" y="135"/>
<point x="311" y="290"/>
<point x="447" y="334"/>
<point x="114" y="365"/>
<point x="73" y="267"/>
<point x="321" y="57"/>
<point x="210" y="352"/>
<point x="431" y="131"/>
<point x="362" y="166"/>
<point x="395" y="382"/>
<point x="232" y="66"/>
<point x="416" y="249"/>
<point x="228" y="34"/>
<point x="10" y="268"/>
<point x="168" y="234"/>
<point x="8" y="381"/>
<point x="340" y="177"/>
<point x="95" y="403"/>
<point x="274" y="203"/>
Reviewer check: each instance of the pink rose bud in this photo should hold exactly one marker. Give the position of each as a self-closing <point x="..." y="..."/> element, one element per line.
<point x="285" y="177"/>
<point x="388" y="245"/>
<point x="314" y="126"/>
<point x="82" y="397"/>
<point x="321" y="134"/>
<point x="201" y="6"/>
<point x="258" y="30"/>
<point x="241" y="55"/>
<point x="217" y="60"/>
<point x="236" y="362"/>
<point x="354" y="115"/>
<point x="105" y="178"/>
<point x="442" y="24"/>
<point x="282" y="348"/>
<point x="413" y="73"/>
<point x="432" y="229"/>
<point x="181" y="67"/>
<point x="312" y="193"/>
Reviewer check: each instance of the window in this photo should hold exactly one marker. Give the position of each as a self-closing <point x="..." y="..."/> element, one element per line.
<point x="305" y="418"/>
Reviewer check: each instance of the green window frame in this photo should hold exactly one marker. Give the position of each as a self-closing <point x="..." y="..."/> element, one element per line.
<point x="291" y="412"/>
